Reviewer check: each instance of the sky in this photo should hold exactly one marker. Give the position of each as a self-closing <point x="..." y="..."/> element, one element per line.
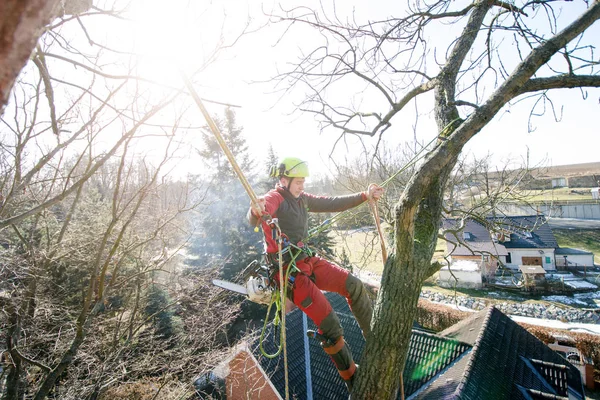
<point x="182" y="35"/>
<point x="511" y="138"/>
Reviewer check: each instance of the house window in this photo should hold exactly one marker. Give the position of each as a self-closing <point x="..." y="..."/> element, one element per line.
<point x="548" y="260"/>
<point x="559" y="182"/>
<point x="508" y="259"/>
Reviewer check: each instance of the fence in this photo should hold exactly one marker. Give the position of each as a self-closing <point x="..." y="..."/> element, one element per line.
<point x="578" y="210"/>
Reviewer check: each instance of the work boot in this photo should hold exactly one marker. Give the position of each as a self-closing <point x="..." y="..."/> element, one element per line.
<point x="350" y="383"/>
<point x="340" y="354"/>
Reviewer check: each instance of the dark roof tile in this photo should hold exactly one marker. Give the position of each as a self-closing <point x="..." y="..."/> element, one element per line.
<point x="481" y="241"/>
<point x="499" y="359"/>
<point x="485" y="356"/>
<point x="428" y="355"/>
<point x="518" y="226"/>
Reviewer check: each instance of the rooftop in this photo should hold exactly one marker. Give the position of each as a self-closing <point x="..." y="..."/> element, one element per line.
<point x="485" y="356"/>
<point x="523" y="232"/>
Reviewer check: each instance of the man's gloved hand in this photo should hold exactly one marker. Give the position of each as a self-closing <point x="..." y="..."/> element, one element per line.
<point x="374" y="192"/>
<point x="258" y="209"/>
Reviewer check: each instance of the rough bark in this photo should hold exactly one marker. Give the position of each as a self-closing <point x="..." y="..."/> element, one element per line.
<point x="14" y="383"/>
<point x="22" y="23"/>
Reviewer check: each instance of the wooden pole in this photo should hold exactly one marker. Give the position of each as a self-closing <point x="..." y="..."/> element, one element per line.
<point x="220" y="140"/>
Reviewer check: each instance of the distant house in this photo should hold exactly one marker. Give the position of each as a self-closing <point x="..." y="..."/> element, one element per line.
<point x="583" y="175"/>
<point x="566" y="257"/>
<point x="473" y="242"/>
<point x="487" y="356"/>
<point x="510" y="241"/>
<point x="467" y="272"/>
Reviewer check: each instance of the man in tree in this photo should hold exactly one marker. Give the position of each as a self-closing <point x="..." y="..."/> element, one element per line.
<point x="310" y="273"/>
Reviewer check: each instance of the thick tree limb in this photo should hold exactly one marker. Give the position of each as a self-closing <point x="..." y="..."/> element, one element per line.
<point x="21" y="24"/>
<point x="560" y="82"/>
<point x="521" y="77"/>
<point x="465" y="41"/>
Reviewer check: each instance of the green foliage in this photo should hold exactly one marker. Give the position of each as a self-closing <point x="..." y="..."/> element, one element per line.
<point x="159" y="309"/>
<point x="344" y="260"/>
<point x="267" y="182"/>
<point x="224" y="236"/>
<point x="212" y="154"/>
<point x="321" y="242"/>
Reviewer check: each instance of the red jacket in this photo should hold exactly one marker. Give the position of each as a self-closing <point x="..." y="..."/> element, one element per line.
<point x="292" y="213"/>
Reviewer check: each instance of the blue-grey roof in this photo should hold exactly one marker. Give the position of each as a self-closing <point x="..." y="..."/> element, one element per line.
<point x="566" y="251"/>
<point x="518" y="226"/>
<point x="479" y="241"/>
<point x="526" y="232"/>
<point x="428" y="355"/>
<point x="487" y="356"/>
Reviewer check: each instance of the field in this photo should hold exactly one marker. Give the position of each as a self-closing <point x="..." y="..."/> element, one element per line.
<point x="362" y="248"/>
<point x="559" y="194"/>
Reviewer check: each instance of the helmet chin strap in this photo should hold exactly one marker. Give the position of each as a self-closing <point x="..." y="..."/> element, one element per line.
<point x="289" y="183"/>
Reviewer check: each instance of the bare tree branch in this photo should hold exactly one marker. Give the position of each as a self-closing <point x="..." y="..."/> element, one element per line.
<point x="560" y="82"/>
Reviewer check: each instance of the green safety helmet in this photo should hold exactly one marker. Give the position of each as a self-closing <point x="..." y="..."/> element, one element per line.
<point x="290" y="167"/>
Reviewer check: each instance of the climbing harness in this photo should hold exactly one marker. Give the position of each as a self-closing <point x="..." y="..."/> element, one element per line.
<point x="279" y="298"/>
<point x="286" y="278"/>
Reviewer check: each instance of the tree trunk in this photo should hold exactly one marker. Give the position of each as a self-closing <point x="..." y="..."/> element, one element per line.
<point x="385" y="351"/>
<point x="14" y="384"/>
<point x="21" y="25"/>
<point x="418" y="216"/>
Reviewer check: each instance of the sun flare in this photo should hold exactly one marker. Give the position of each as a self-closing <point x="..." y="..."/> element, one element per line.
<point x="174" y="36"/>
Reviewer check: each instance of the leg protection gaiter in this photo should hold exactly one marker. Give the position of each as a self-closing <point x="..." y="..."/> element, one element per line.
<point x="360" y="303"/>
<point x="342" y="358"/>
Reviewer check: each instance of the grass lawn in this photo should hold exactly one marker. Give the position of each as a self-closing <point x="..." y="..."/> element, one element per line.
<point x="362" y="248"/>
<point x="585" y="239"/>
<point x="364" y="251"/>
<point x="561" y="194"/>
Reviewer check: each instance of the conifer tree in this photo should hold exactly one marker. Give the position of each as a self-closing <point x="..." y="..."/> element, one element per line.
<point x="225" y="238"/>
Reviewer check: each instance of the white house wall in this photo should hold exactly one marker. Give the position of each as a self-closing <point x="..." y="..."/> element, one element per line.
<point x="516" y="257"/>
<point x="576" y="260"/>
<point x="466" y="279"/>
